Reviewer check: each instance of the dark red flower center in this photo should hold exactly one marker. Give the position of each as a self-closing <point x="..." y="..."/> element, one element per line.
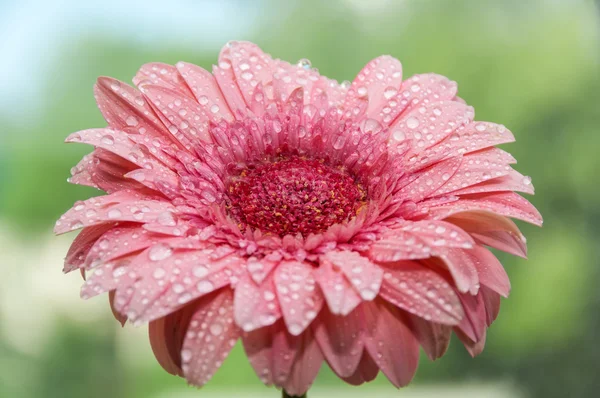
<point x="293" y="195"/>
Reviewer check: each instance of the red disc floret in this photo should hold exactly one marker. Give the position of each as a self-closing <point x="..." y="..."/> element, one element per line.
<point x="293" y="195"/>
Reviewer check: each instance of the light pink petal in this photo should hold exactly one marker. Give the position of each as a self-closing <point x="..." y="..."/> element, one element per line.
<point x="492" y="230"/>
<point x="426" y="182"/>
<point x="306" y="365"/>
<point x="118" y="242"/>
<point x="298" y="295"/>
<point x="390" y="342"/>
<point x="365" y="276"/>
<point x="380" y="82"/>
<point x="259" y="269"/>
<point x="474" y="322"/>
<point x="115" y="207"/>
<point x="169" y="278"/>
<point x="125" y="108"/>
<point x="341" y="341"/>
<point x="462" y="268"/>
<point x="162" y="75"/>
<point x="255" y="305"/>
<point x="206" y="90"/>
<point x="421" y="291"/>
<point x="271" y="351"/>
<point x="429" y="124"/>
<point x="433" y="337"/>
<point x="418" y="240"/>
<point x="366" y="371"/>
<point x="210" y="337"/>
<point x="490" y="270"/>
<point x="508" y="204"/>
<point x="478" y="167"/>
<point x="341" y="297"/>
<point x="185" y="118"/>
<point x="513" y="181"/>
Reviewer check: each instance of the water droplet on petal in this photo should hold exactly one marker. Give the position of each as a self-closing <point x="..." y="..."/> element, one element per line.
<point x="412" y="122"/>
<point x="160" y="252"/>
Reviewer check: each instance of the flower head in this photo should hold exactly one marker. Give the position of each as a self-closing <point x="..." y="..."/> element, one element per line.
<point x="314" y="220"/>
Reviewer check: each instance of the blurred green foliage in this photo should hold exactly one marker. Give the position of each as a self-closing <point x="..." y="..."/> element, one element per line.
<point x="533" y="66"/>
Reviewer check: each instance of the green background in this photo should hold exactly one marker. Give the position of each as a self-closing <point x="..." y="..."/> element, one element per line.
<point x="531" y="65"/>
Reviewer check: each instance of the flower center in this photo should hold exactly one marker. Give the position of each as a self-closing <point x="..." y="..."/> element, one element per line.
<point x="294" y="195"/>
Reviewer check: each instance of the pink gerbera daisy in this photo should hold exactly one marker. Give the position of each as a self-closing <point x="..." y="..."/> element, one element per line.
<point x="317" y="221"/>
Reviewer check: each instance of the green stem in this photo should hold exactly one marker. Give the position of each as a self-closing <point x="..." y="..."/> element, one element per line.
<point x="286" y="395"/>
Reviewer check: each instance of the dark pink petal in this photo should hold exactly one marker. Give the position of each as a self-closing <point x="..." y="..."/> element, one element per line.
<point x="491" y="300"/>
<point x="162" y="75"/>
<point x="474" y="322"/>
<point x="389" y="339"/>
<point x="206" y="90"/>
<point x="341" y="297"/>
<point x="474" y="348"/>
<point x="82" y="245"/>
<point x="366" y="371"/>
<point x="493" y="230"/>
<point x="421" y="291"/>
<point x="508" y="204"/>
<point x="306" y="365"/>
<point x="271" y="351"/>
<point x="379" y="81"/>
<point x="299" y="297"/>
<point x="341" y="341"/>
<point x="433" y="337"/>
<point x="255" y="305"/>
<point x="365" y="276"/>
<point x="210" y="337"/>
<point x="166" y="338"/>
<point x="491" y="272"/>
<point x="118" y="316"/>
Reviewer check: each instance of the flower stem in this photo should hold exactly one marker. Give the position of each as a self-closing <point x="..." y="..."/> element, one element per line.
<point x="286" y="395"/>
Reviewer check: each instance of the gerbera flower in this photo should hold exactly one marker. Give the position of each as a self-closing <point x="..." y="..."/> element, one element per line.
<point x="317" y="221"/>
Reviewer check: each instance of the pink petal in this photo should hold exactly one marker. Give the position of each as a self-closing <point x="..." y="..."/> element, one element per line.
<point x="365" y="276"/>
<point x="260" y="269"/>
<point x="125" y="108"/>
<point x="162" y="75"/>
<point x="390" y="342"/>
<point x="366" y="371"/>
<point x="427" y="128"/>
<point x="473" y="137"/>
<point x="421" y="291"/>
<point x="341" y="297"/>
<point x="210" y="337"/>
<point x="255" y="305"/>
<point x="306" y="365"/>
<point x="492" y="230"/>
<point x="112" y="208"/>
<point x="473" y="347"/>
<point x="118" y="316"/>
<point x="379" y="81"/>
<point x="206" y="90"/>
<point x="82" y="245"/>
<point x="426" y="182"/>
<point x="118" y="242"/>
<point x="166" y="338"/>
<point x="271" y="351"/>
<point x="491" y="272"/>
<point x="185" y="118"/>
<point x="476" y="168"/>
<point x="491" y="300"/>
<point x="461" y="267"/>
<point x="473" y="324"/>
<point x="433" y="337"/>
<point x="513" y="181"/>
<point x="340" y="339"/>
<point x="299" y="298"/>
<point x="507" y="204"/>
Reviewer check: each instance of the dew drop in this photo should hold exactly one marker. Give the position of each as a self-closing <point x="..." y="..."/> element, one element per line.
<point x="204" y="286"/>
<point x="160" y="252"/>
<point x="131" y="121"/>
<point x="412" y="122"/>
